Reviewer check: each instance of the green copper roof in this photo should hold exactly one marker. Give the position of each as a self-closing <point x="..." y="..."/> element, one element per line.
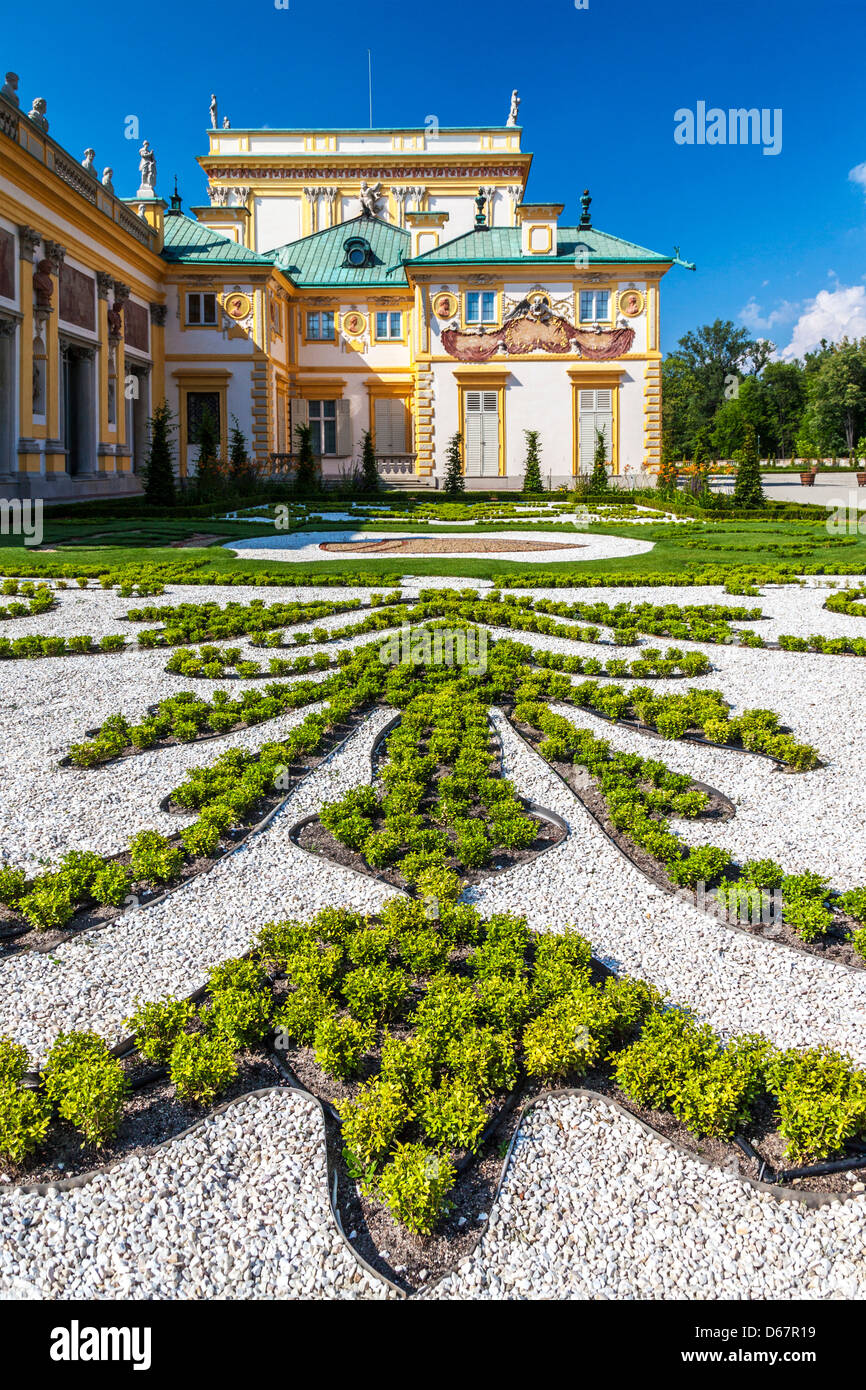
<point x="503" y="244"/>
<point x="320" y="259"/>
<point x="192" y="243"/>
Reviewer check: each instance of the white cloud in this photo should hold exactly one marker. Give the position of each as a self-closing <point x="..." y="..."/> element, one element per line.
<point x="753" y="316"/>
<point x="832" y="314"/>
<point x="858" y="175"/>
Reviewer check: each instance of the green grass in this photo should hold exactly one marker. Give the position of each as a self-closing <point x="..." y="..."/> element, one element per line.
<point x="736" y="545"/>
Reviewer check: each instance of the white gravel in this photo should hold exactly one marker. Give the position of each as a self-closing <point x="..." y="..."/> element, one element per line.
<point x="236" y="1209"/>
<point x="591" y="1207"/>
<point x="303" y="547"/>
<point x="594" y="1208"/>
<point x="91" y="980"/>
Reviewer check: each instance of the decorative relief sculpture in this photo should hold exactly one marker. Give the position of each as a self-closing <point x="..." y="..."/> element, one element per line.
<point x="533" y="326"/>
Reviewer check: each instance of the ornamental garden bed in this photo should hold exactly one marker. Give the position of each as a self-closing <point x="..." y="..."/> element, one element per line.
<point x="835" y="945"/>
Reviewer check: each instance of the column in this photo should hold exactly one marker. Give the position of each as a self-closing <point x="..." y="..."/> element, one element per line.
<point x="116" y="348"/>
<point x="29" y="452"/>
<point x="104" y="286"/>
<point x="55" y="455"/>
<point x="158" y="313"/>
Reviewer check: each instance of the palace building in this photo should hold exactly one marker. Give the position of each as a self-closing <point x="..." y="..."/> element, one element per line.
<point x="387" y="280"/>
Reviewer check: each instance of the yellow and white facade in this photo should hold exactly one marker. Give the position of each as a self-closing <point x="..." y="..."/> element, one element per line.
<point x="396" y="281"/>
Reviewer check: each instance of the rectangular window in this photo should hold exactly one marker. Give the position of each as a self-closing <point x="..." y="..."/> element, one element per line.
<point x="320" y="327"/>
<point x="276" y="317"/>
<point x="593" y="305"/>
<point x="389" y="325"/>
<point x="323" y="426"/>
<point x="481" y="306"/>
<point x="199" y="404"/>
<point x="481" y="432"/>
<point x="201" y="310"/>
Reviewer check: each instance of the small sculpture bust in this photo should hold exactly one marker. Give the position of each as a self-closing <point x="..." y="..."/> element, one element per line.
<point x="107" y="175"/>
<point x="213" y="111"/>
<point x="515" y="106"/>
<point x="87" y="162"/>
<point x="37" y="114"/>
<point x="43" y="284"/>
<point x="9" y="90"/>
<point x="227" y="125"/>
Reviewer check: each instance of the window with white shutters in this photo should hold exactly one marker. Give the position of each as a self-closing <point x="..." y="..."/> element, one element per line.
<point x="595" y="413"/>
<point x="389" y="426"/>
<point x="481" y="433"/>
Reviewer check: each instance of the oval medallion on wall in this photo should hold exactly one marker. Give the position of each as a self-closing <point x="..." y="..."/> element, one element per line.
<point x="237" y="305"/>
<point x="354" y="323"/>
<point x="445" y="305"/>
<point x="631" y="303"/>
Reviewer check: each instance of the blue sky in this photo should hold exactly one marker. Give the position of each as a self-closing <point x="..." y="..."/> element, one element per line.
<point x="778" y="239"/>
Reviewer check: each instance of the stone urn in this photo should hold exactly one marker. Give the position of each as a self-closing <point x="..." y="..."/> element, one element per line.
<point x="861" y="479"/>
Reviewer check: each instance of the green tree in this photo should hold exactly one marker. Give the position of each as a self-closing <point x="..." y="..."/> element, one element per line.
<point x="532" y="465"/>
<point x="369" y="467"/>
<point x="454" y="482"/>
<point x="307" y="479"/>
<point x="837" y="396"/>
<point x="748" y="492"/>
<point x="784" y="388"/>
<point x="241" y="470"/>
<point x="159" y="484"/>
<point x="700" y="480"/>
<point x="745" y="406"/>
<point x="598" y="480"/>
<point x="679" y="418"/>
<point x="208" y="477"/>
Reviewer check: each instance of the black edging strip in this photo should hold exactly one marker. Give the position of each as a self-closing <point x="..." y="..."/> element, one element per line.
<point x="776" y="1189"/>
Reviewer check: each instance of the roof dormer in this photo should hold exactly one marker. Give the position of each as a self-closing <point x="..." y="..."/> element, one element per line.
<point x="426" y="230"/>
<point x="538" y="224"/>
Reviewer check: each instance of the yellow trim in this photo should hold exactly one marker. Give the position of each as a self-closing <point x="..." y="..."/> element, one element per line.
<point x="483" y="381"/>
<point x="217" y="382"/>
<point x="185" y="325"/>
<point x="593" y="377"/>
<point x="404" y="326"/>
<point x="324" y="388"/>
<point x="332" y="312"/>
<point x="482" y="322"/>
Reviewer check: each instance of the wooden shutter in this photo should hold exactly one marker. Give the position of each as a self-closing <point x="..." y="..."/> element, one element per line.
<point x="481" y="431"/>
<point x="344" y="429"/>
<point x="596" y="413"/>
<point x="300" y="416"/>
<point x="390" y="426"/>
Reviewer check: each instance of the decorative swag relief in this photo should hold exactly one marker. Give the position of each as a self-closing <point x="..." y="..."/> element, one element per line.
<point x="532" y="326"/>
